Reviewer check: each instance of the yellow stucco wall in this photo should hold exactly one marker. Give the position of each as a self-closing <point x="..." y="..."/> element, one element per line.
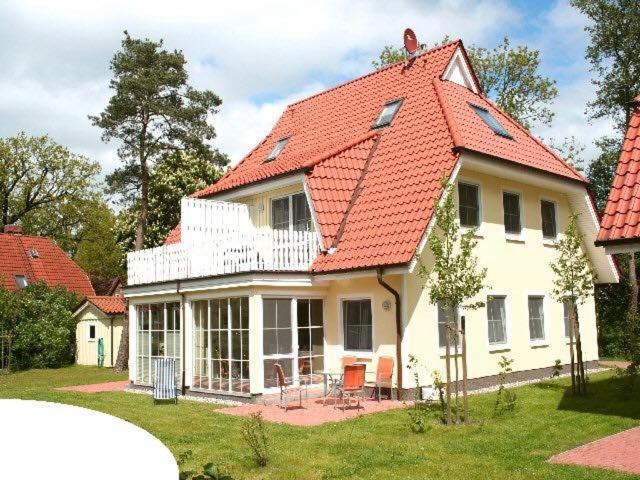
<point x="87" y="350"/>
<point x="515" y="269"/>
<point x="260" y="204"/>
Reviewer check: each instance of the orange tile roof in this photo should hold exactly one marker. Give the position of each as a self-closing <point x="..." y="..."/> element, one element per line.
<point x="51" y="264"/>
<point x="374" y="190"/>
<point x="621" y="219"/>
<point x="112" y="305"/>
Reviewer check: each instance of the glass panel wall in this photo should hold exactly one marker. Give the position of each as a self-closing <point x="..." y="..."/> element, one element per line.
<point x="219" y="324"/>
<point x="310" y="341"/>
<point x="277" y="338"/>
<point x="158" y="336"/>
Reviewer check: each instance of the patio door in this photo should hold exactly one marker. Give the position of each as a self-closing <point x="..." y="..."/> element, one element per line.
<point x="293" y="336"/>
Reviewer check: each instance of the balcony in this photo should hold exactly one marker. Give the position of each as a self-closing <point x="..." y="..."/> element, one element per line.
<point x="218" y="238"/>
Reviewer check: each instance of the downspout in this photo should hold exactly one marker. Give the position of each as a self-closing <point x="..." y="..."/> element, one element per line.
<point x="183" y="331"/>
<point x="398" y="328"/>
<point x="111" y="344"/>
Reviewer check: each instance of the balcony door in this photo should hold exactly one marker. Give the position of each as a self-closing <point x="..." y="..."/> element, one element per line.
<point x="293" y="336"/>
<point x="291" y="213"/>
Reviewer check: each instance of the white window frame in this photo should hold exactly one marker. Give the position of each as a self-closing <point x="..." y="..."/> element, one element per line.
<point x="443" y="350"/>
<point x="468" y="181"/>
<point x="549" y="240"/>
<point x="290" y="197"/>
<point x="506" y="345"/>
<point x="545" y="312"/>
<point x="509" y="236"/>
<point x="95" y="330"/>
<point x="358" y="353"/>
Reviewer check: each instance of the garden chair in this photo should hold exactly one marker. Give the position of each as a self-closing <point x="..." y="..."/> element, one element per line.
<point x="164" y="380"/>
<point x="384" y="374"/>
<point x="336" y="381"/>
<point x="287" y="388"/>
<point x="352" y="383"/>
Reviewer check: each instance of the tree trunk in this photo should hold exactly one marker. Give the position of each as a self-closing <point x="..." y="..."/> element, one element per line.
<point x="141" y="226"/>
<point x="465" y="396"/>
<point x="455" y="359"/>
<point x="122" y="361"/>
<point x="571" y="351"/>
<point x="448" y="371"/>
<point x="582" y="381"/>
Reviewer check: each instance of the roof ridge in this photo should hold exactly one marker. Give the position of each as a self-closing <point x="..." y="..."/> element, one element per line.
<point x="382" y="69"/>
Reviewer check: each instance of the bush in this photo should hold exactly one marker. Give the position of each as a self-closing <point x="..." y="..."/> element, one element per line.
<point x="41" y="325"/>
<point x="506" y="399"/>
<point x="255" y="435"/>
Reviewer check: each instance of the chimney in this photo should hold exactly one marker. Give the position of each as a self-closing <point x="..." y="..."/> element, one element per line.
<point x="12" y="229"/>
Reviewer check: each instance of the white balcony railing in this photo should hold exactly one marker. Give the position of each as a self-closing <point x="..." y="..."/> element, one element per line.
<point x="217" y="238"/>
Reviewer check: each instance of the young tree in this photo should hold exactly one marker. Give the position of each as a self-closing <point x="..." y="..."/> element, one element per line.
<point x="508" y="75"/>
<point x="154" y="111"/>
<point x="454" y="280"/>
<point x="45" y="187"/>
<point x="573" y="283"/>
<point x="172" y="178"/>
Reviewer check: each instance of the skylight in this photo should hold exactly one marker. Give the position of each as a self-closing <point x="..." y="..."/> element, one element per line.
<point x="388" y="112"/>
<point x="277" y="149"/>
<point x="21" y="281"/>
<point x="491" y="122"/>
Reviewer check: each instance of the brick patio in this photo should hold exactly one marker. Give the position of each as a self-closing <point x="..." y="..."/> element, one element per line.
<point x="312" y="412"/>
<point x="98" y="387"/>
<point x="617" y="452"/>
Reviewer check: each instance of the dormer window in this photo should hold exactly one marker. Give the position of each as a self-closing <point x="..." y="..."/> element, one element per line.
<point x="491" y="122"/>
<point x="277" y="149"/>
<point x="388" y="113"/>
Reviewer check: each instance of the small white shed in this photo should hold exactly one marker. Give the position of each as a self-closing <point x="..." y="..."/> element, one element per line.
<point x="99" y="317"/>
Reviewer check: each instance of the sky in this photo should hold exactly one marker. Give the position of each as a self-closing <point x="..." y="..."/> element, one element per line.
<point x="259" y="57"/>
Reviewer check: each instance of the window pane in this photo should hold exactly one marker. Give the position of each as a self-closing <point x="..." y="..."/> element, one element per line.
<point x="157" y="316"/>
<point x="497" y="320"/>
<point x="317" y="341"/>
<point x="316" y="313"/>
<point x="244" y="313"/>
<point x="491" y="122"/>
<point x="224" y="314"/>
<point x="548" y="213"/>
<point x="280" y="213"/>
<point x="301" y="213"/>
<point x="566" y="306"/>
<point x="304" y="342"/>
<point x="303" y="313"/>
<point x="269" y="313"/>
<point x="445" y="315"/>
<point x="277" y="149"/>
<point x="511" y="204"/>
<point x="388" y="112"/>
<point x="536" y="318"/>
<point x="235" y="313"/>
<point x="283" y="312"/>
<point x="469" y="205"/>
<point x="357" y="324"/>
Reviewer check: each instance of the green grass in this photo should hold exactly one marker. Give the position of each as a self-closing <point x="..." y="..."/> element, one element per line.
<point x="547" y="420"/>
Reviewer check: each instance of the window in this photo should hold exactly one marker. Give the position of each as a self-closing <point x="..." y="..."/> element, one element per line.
<point x="491" y="122"/>
<point x="277" y="338"/>
<point x="548" y="214"/>
<point x="446" y="316"/>
<point x="277" y="149"/>
<point x="387" y="114"/>
<point x="469" y="199"/>
<point x="221" y="344"/>
<point x="511" y="207"/>
<point x="357" y="325"/>
<point x="157" y="336"/>
<point x="497" y="318"/>
<point x="291" y="213"/>
<point x="21" y="281"/>
<point x="310" y="340"/>
<point x="536" y="319"/>
<point x="566" y="307"/>
<point x="92" y="332"/>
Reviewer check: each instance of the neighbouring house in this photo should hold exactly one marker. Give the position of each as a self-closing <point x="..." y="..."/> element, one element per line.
<point x="27" y="259"/>
<point x="100" y="320"/>
<point x="620" y="225"/>
<point x="107" y="287"/>
<point x="305" y="251"/>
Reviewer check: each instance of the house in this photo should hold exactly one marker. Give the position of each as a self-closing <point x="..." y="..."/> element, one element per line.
<point x="305" y="251"/>
<point x="620" y="225"/>
<point x="27" y="259"/>
<point x="100" y="320"/>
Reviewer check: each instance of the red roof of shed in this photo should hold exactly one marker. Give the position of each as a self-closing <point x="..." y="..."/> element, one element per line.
<point x="374" y="190"/>
<point x="39" y="258"/>
<point x="621" y="219"/>
<point x="111" y="305"/>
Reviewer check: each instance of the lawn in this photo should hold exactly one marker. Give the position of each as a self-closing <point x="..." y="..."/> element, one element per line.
<point x="547" y="420"/>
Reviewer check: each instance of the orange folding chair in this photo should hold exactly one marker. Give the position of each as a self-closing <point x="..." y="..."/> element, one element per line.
<point x="384" y="375"/>
<point x="352" y="383"/>
<point x="287" y="388"/>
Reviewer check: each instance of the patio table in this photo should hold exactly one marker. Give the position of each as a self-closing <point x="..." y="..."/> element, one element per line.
<point x="333" y="375"/>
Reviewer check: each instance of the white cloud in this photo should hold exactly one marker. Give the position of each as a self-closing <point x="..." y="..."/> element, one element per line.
<point x="258" y="56"/>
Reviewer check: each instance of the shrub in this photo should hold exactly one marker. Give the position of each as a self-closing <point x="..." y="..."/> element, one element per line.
<point x="440" y="387"/>
<point x="41" y="325"/>
<point x="556" y="369"/>
<point x="255" y="435"/>
<point x="506" y="399"/>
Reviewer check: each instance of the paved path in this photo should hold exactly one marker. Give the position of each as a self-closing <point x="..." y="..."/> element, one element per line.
<point x="98" y="387"/>
<point x="618" y="452"/>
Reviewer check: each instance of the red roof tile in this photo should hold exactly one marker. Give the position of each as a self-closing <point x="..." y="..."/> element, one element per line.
<point x="109" y="305"/>
<point x="621" y="219"/>
<point x="374" y="196"/>
<point x="39" y="258"/>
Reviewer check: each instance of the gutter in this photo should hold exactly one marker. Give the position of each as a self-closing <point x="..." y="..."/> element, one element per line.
<point x="398" y="328"/>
